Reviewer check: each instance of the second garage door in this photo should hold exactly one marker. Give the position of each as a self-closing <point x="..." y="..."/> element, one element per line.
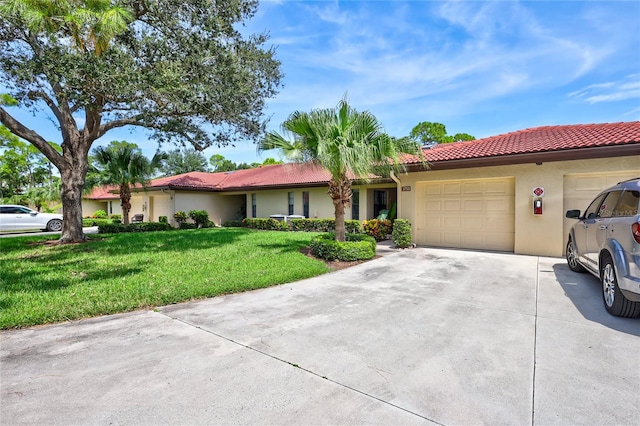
<point x="472" y="213"/>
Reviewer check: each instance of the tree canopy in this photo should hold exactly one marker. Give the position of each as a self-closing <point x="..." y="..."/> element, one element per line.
<point x="430" y="133"/>
<point x="122" y="164"/>
<point x="179" y="68"/>
<point x="347" y="143"/>
<point x="184" y="161"/>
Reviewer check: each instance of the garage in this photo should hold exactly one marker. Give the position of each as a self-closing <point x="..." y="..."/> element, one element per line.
<point x="470" y="213"/>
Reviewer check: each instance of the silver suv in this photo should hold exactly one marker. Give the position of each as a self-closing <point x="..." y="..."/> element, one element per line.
<point x="606" y="243"/>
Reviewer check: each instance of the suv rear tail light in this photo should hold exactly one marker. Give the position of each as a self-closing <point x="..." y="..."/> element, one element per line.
<point x="635" y="230"/>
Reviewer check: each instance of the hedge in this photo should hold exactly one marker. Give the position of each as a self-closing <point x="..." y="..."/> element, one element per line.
<point x="115" y="228"/>
<point x="357" y="247"/>
<point x="305" y="225"/>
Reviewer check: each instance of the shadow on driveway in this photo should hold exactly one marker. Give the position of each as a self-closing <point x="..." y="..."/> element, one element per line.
<point x="584" y="291"/>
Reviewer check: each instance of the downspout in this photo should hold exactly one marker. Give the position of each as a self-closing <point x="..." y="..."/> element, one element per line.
<point x="398" y="194"/>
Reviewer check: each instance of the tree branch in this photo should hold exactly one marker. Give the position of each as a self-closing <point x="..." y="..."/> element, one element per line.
<point x="29" y="135"/>
<point x="129" y="121"/>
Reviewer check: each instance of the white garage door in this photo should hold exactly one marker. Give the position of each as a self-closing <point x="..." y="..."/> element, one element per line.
<point x="475" y="213"/>
<point x="581" y="189"/>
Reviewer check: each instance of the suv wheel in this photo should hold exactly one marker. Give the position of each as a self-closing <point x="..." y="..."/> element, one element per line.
<point x="614" y="301"/>
<point x="572" y="257"/>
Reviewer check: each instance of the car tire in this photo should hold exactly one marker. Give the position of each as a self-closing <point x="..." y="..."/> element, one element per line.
<point x="572" y="257"/>
<point x="614" y="301"/>
<point x="54" y="225"/>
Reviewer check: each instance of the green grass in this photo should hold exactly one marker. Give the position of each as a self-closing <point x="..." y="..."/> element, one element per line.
<point x="42" y="283"/>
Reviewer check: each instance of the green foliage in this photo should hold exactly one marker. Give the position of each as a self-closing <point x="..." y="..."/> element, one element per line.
<point x="268" y="224"/>
<point x="163" y="219"/>
<point x="183" y="70"/>
<point x="99" y="214"/>
<point x="116" y="216"/>
<point x="187" y="225"/>
<point x="304" y="225"/>
<point x="43" y="283"/>
<point x="357" y="247"/>
<point x="401" y="234"/>
<point x="378" y="229"/>
<point x="429" y="133"/>
<point x="95" y="222"/>
<point x="180" y="217"/>
<point x="235" y="223"/>
<point x="200" y="217"/>
<point x="186" y="161"/>
<point x="344" y="142"/>
<point x="116" y="228"/>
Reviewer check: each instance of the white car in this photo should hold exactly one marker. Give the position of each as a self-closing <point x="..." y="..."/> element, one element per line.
<point x="13" y="217"/>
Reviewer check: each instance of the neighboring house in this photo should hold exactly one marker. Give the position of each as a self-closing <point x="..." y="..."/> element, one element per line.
<point x="476" y="194"/>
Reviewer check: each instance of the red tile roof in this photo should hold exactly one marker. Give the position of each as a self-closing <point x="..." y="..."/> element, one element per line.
<point x="536" y="140"/>
<point x="548" y="139"/>
<point x="103" y="193"/>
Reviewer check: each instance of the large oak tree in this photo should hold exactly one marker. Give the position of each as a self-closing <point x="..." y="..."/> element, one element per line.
<point x="179" y="68"/>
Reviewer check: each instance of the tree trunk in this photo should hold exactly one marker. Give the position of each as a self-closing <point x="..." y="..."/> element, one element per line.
<point x="125" y="202"/>
<point x="73" y="175"/>
<point x="340" y="192"/>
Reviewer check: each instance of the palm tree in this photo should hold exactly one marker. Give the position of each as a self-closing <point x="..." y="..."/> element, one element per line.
<point x="123" y="164"/>
<point x="346" y="143"/>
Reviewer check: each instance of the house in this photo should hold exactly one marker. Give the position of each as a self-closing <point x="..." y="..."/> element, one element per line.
<point x="475" y="194"/>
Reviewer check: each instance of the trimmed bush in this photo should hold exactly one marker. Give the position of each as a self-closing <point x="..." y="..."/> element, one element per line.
<point x="95" y="222"/>
<point x="378" y="229"/>
<point x="357" y="247"/>
<point x="180" y="217"/>
<point x="99" y="214"/>
<point x="232" y="224"/>
<point x="163" y="219"/>
<point x="187" y="225"/>
<point x="200" y="217"/>
<point x="116" y="221"/>
<point x="115" y="217"/>
<point x="401" y="234"/>
<point x="267" y="224"/>
<point x="114" y="228"/>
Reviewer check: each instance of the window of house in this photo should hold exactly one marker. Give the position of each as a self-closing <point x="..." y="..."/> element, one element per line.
<point x="355" y="204"/>
<point x="305" y="204"/>
<point x="254" y="205"/>
<point x="290" y="196"/>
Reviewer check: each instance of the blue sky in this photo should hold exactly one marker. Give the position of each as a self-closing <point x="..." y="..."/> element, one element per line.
<point x="483" y="68"/>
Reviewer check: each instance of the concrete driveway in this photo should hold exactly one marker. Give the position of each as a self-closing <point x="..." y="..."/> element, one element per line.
<point x="422" y="336"/>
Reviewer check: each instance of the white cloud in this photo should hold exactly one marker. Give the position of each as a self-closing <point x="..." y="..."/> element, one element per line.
<point x="610" y="91"/>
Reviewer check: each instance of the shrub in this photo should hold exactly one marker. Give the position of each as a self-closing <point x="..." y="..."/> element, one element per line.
<point x="378" y="229"/>
<point x="95" y="222"/>
<point x="116" y="221"/>
<point x="268" y="224"/>
<point x="99" y="214"/>
<point x="116" y="216"/>
<point x="180" y="217"/>
<point x="233" y="224"/>
<point x="163" y="219"/>
<point x="187" y="225"/>
<point x="357" y="247"/>
<point x="401" y="234"/>
<point x="200" y="217"/>
<point x="114" y="228"/>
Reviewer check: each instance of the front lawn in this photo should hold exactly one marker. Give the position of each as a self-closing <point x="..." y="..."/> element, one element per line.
<point x="42" y="283"/>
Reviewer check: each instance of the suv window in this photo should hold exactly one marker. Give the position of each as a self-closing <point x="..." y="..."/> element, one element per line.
<point x="13" y="210"/>
<point x="628" y="204"/>
<point x="609" y="203"/>
<point x="592" y="210"/>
